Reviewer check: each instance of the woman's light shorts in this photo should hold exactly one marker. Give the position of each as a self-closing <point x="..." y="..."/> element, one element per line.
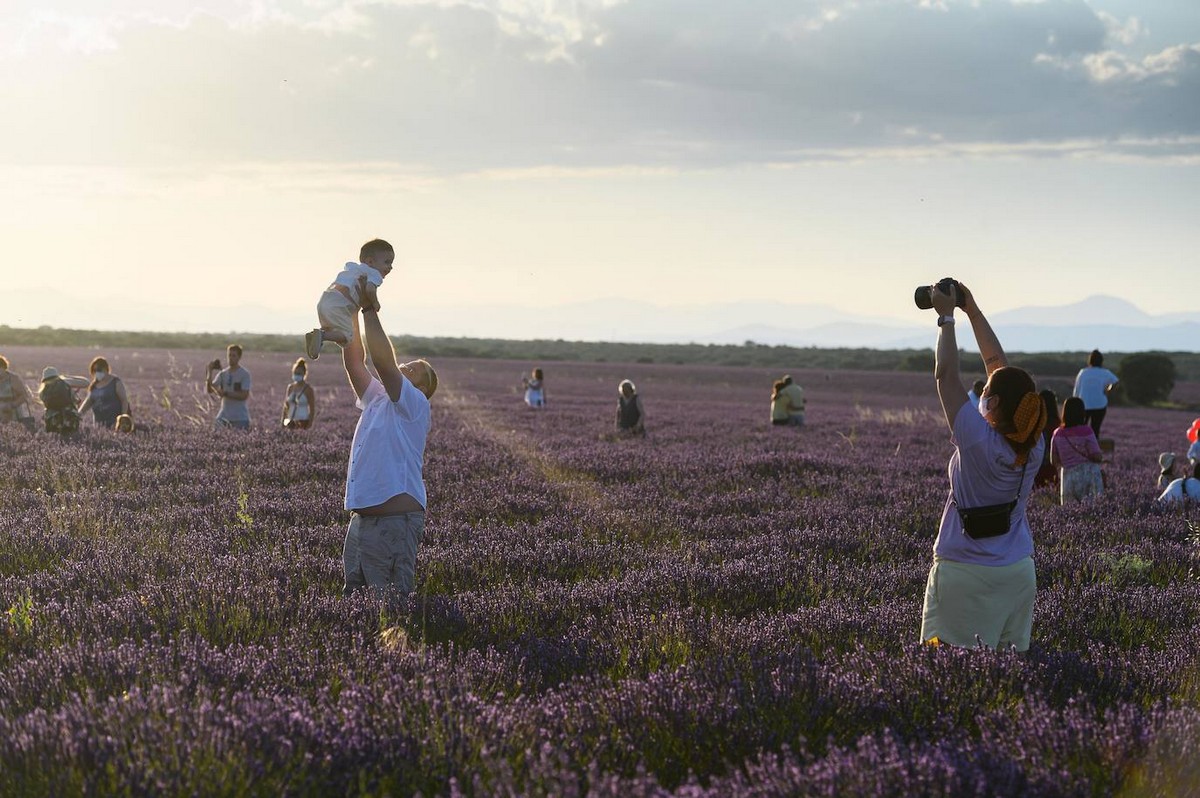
<point x="967" y="604"/>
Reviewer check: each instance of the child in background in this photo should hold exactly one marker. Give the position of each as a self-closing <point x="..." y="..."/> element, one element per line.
<point x="352" y="290"/>
<point x="535" y="391"/>
<point x="1074" y="449"/>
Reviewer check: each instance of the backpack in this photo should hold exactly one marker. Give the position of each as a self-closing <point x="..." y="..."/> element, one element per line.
<point x="56" y="394"/>
<point x="62" y="422"/>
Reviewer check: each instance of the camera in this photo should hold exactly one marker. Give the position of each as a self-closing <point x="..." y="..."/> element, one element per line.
<point x="925" y="301"/>
<point x="215" y="365"/>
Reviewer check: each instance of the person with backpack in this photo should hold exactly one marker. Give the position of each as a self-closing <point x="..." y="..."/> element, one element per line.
<point x="58" y="397"/>
<point x="981" y="587"/>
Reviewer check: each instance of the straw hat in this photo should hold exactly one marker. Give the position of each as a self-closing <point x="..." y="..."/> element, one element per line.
<point x="1166" y="460"/>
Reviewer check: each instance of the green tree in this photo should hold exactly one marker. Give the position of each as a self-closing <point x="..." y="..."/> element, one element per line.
<point x="1147" y="377"/>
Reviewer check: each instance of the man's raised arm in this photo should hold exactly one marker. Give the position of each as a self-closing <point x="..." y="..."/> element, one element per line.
<point x="382" y="354"/>
<point x="354" y="358"/>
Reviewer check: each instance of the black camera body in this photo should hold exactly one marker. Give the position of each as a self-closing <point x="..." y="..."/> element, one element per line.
<point x="925" y="301"/>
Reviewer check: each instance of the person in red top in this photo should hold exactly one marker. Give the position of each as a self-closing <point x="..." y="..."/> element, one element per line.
<point x="1074" y="449"/>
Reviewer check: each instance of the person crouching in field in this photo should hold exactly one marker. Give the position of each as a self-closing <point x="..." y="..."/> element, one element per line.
<point x="631" y="418"/>
<point x="57" y="395"/>
<point x="352" y="289"/>
<point x="982" y="583"/>
<point x="385" y="488"/>
<point x="14" y="398"/>
<point x="787" y="403"/>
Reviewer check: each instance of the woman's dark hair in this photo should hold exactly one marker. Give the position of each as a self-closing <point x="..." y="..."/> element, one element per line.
<point x="1010" y="384"/>
<point x="1095" y="358"/>
<point x="1051" y="402"/>
<point x="537" y="374"/>
<point x="1074" y="413"/>
<point x="97" y="363"/>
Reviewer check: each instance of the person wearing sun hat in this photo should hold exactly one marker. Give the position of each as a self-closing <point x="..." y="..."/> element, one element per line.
<point x="1166" y="462"/>
<point x="982" y="583"/>
<point x="58" y="397"/>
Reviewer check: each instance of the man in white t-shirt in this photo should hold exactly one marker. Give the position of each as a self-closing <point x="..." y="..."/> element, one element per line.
<point x="385" y="488"/>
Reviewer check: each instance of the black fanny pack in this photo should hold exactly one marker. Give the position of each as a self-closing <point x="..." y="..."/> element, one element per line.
<point x="991" y="520"/>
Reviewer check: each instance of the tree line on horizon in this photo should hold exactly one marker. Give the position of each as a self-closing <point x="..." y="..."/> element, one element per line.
<point x="1147" y="377"/>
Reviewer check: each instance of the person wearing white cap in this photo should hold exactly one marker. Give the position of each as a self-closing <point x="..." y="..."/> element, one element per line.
<point x="1166" y="461"/>
<point x="1183" y="489"/>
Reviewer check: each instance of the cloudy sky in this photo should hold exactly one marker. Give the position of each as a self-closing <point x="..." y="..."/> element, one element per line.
<point x="541" y="152"/>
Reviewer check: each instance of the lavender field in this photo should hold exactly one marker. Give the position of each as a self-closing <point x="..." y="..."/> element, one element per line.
<point x="721" y="609"/>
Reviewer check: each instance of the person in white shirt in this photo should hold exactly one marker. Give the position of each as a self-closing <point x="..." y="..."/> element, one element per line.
<point x="352" y="289"/>
<point x="385" y="487"/>
<point x="1092" y="385"/>
<point x="1187" y="488"/>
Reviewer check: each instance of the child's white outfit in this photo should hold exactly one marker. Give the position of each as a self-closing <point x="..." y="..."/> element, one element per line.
<point x="341" y="301"/>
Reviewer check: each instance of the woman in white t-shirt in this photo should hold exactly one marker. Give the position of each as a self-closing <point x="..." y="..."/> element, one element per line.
<point x="300" y="400"/>
<point x="982" y="584"/>
<point x="1092" y="385"/>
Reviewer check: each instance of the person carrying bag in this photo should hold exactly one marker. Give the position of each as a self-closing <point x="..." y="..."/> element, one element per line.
<point x="982" y="583"/>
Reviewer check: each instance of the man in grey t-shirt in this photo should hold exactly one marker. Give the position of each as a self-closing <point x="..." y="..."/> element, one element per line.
<point x="232" y="384"/>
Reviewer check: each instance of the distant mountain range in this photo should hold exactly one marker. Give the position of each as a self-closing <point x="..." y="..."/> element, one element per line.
<point x="1098" y="322"/>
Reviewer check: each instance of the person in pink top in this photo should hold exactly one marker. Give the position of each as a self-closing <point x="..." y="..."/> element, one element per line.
<point x="1074" y="449"/>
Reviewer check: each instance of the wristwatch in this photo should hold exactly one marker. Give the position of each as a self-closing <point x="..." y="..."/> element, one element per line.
<point x="943" y="320"/>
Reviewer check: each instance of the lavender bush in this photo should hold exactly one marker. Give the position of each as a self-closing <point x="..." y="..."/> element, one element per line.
<point x="722" y="608"/>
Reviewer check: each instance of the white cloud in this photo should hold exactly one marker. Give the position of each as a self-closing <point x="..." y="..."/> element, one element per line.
<point x="1121" y="32"/>
<point x="464" y="86"/>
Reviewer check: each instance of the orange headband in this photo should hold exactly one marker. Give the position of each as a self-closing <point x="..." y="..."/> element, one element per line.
<point x="1029" y="420"/>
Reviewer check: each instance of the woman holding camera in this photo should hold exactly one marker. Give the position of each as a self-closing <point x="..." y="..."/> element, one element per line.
<point x="982" y="583"/>
<point x="300" y="400"/>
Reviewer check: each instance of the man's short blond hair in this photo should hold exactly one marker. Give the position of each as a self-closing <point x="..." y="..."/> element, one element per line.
<point x="431" y="377"/>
